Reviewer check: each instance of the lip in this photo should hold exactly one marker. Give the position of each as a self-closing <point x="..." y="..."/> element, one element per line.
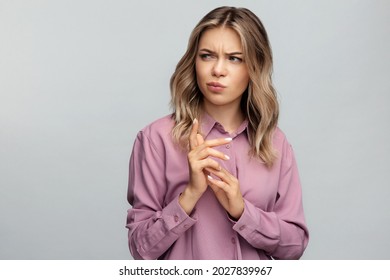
<point x="215" y="86"/>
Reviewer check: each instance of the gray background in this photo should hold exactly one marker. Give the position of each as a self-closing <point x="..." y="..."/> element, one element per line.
<point x="78" y="79"/>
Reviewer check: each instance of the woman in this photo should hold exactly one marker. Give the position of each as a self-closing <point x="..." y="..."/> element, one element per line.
<point x="217" y="179"/>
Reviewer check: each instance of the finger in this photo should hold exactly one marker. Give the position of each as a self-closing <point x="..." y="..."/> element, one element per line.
<point x="216" y="189"/>
<point x="229" y="176"/>
<point x="199" y="139"/>
<point x="223" y="175"/>
<point x="211" y="152"/>
<point x="207" y="164"/>
<point x="216" y="142"/>
<point x="193" y="135"/>
<point x="217" y="185"/>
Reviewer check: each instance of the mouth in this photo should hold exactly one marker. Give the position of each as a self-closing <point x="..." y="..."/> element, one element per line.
<point x="215" y="87"/>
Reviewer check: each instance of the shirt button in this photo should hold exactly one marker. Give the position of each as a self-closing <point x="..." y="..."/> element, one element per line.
<point x="227" y="146"/>
<point x="176" y="217"/>
<point x="233" y="240"/>
<point x="241" y="227"/>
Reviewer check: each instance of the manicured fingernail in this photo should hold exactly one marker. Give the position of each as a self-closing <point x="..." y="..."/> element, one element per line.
<point x="195" y="121"/>
<point x="228" y="139"/>
<point x="227" y="157"/>
<point x="210" y="178"/>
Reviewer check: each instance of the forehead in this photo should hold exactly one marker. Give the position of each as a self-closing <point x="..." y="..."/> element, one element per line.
<point x="220" y="38"/>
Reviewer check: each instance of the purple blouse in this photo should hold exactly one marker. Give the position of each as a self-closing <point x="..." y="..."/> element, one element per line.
<point x="271" y="226"/>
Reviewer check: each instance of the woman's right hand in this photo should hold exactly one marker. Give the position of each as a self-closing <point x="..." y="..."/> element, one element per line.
<point x="199" y="159"/>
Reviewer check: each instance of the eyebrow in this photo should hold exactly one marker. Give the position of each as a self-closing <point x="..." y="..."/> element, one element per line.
<point x="210" y="51"/>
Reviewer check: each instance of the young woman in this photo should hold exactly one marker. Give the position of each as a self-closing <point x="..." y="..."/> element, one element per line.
<point x="217" y="179"/>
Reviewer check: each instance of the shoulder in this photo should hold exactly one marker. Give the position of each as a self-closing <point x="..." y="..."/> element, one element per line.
<point x="158" y="134"/>
<point x="279" y="138"/>
<point x="283" y="146"/>
<point x="160" y="127"/>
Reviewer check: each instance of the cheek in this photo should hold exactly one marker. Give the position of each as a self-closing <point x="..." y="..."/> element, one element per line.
<point x="243" y="80"/>
<point x="201" y="74"/>
<point x="199" y="69"/>
<point x="199" y="77"/>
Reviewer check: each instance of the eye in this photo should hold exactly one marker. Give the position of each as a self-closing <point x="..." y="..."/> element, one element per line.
<point x="206" y="56"/>
<point x="235" y="59"/>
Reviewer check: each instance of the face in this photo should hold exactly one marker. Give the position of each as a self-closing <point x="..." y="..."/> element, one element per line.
<point x="221" y="71"/>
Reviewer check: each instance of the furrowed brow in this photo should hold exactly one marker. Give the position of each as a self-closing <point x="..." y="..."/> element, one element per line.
<point x="212" y="52"/>
<point x="235" y="53"/>
<point x="207" y="50"/>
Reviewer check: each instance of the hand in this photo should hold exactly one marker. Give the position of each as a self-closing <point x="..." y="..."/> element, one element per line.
<point x="227" y="191"/>
<point x="200" y="159"/>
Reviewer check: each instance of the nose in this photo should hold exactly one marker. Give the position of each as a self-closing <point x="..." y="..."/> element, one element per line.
<point x="219" y="68"/>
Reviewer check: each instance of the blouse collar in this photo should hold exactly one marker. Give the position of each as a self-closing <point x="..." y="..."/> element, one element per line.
<point x="208" y="123"/>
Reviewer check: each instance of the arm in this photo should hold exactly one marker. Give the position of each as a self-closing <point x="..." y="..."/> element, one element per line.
<point x="152" y="227"/>
<point x="200" y="164"/>
<point x="281" y="233"/>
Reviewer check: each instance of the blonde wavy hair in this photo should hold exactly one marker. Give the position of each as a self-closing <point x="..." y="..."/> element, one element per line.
<point x="259" y="103"/>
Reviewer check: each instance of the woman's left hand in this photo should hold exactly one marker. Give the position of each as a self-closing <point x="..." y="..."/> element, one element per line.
<point x="227" y="191"/>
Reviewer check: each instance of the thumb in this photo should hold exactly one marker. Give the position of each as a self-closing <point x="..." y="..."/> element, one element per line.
<point x="199" y="139"/>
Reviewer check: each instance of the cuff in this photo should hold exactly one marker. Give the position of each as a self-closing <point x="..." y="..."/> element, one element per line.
<point x="247" y="223"/>
<point x="176" y="219"/>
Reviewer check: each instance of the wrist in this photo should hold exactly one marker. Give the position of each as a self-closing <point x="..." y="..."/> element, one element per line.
<point x="237" y="213"/>
<point x="188" y="199"/>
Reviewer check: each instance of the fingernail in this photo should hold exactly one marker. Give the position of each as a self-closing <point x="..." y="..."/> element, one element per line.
<point x="195" y="121"/>
<point x="209" y="177"/>
<point x="228" y="139"/>
<point x="227" y="157"/>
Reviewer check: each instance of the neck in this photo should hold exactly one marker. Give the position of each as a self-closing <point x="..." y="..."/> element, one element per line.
<point x="230" y="117"/>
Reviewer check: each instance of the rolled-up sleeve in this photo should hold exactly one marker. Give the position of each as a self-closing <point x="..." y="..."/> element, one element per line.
<point x="152" y="226"/>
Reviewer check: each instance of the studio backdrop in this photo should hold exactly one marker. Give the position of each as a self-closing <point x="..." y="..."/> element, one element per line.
<point x="79" y="79"/>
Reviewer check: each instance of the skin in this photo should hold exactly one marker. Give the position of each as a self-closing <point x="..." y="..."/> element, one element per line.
<point x="222" y="77"/>
<point x="220" y="60"/>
